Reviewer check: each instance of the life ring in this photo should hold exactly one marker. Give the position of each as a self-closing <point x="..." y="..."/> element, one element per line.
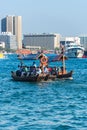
<point x="44" y="60"/>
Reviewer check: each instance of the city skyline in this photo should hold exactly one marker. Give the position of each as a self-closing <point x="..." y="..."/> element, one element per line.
<point x="65" y="17"/>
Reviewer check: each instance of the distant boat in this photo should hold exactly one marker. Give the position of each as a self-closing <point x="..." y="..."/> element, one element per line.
<point x="27" y="56"/>
<point x="3" y="55"/>
<point x="74" y="50"/>
<point x="51" y="57"/>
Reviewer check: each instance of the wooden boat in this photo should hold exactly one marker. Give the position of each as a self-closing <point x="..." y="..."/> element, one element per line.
<point x="35" y="77"/>
<point x="41" y="77"/>
<point x="32" y="78"/>
<point x="31" y="75"/>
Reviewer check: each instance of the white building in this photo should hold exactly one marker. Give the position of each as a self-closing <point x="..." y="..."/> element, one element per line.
<point x="45" y="41"/>
<point x="2" y="44"/>
<point x="9" y="40"/>
<point x="83" y="40"/>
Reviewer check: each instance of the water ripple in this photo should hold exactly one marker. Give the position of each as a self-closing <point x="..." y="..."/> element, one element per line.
<point x="57" y="105"/>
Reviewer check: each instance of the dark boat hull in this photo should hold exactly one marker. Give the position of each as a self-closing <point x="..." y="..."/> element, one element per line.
<point x="33" y="78"/>
<point x="24" y="78"/>
<point x="39" y="78"/>
<point x="65" y="76"/>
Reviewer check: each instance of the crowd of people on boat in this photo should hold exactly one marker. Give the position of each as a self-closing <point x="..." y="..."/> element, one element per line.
<point x="41" y="69"/>
<point x="24" y="70"/>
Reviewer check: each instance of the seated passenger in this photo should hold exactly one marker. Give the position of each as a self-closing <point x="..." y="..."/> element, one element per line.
<point x="46" y="70"/>
<point x="34" y="64"/>
<point x="24" y="70"/>
<point x="63" y="70"/>
<point x="32" y="70"/>
<point x="50" y="70"/>
<point x="39" y="70"/>
<point x="19" y="71"/>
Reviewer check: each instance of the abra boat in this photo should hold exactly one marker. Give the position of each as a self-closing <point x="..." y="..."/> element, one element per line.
<point x="53" y="74"/>
<point x="41" y="77"/>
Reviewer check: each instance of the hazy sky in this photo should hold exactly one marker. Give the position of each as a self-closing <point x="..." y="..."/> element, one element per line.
<point x="66" y="17"/>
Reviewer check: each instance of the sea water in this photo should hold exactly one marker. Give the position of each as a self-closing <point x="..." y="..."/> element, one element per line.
<point x="54" y="105"/>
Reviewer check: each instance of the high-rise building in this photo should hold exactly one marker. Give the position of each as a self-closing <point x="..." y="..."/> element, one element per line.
<point x="13" y="25"/>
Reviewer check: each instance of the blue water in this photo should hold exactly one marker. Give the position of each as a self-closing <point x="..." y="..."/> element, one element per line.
<point x="57" y="105"/>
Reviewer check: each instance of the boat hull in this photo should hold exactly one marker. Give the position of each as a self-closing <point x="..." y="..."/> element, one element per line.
<point x="33" y="78"/>
<point x="65" y="76"/>
<point x="75" y="54"/>
<point x="41" y="77"/>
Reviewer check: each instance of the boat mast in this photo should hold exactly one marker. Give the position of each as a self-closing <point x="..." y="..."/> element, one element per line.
<point x="63" y="59"/>
<point x="63" y="62"/>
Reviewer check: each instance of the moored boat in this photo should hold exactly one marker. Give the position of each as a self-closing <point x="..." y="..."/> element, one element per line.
<point x="74" y="50"/>
<point x="27" y="56"/>
<point x="3" y="55"/>
<point x="31" y="56"/>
